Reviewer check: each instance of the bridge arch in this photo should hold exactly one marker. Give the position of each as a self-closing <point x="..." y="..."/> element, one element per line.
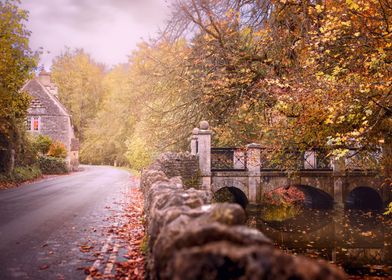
<point x="364" y="198"/>
<point x="232" y="194"/>
<point x="231" y="191"/>
<point x="315" y="197"/>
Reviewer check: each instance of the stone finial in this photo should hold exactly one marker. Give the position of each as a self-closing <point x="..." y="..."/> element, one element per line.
<point x="204" y="125"/>
<point x="254" y="146"/>
<point x="195" y="131"/>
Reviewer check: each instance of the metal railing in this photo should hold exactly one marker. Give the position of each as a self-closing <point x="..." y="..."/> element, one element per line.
<point x="236" y="159"/>
<point x="228" y="159"/>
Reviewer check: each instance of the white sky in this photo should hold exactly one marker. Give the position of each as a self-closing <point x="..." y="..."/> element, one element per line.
<point x="107" y="29"/>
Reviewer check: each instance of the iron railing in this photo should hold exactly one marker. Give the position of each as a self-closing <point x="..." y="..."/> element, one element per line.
<point x="314" y="159"/>
<point x="317" y="159"/>
<point x="236" y="159"/>
<point x="230" y="159"/>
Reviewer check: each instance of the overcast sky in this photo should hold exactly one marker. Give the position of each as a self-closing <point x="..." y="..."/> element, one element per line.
<point x="107" y="29"/>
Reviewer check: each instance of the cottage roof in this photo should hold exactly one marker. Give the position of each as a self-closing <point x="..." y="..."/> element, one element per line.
<point x="48" y="103"/>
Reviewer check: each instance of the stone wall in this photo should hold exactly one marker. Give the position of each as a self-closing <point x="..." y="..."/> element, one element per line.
<point x="189" y="238"/>
<point x="184" y="165"/>
<point x="57" y="128"/>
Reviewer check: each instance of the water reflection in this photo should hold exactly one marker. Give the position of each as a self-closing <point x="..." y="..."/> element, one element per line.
<point x="358" y="241"/>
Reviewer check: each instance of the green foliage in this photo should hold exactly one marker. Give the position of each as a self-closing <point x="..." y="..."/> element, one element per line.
<point x="280" y="213"/>
<point x="52" y="165"/>
<point x="139" y="154"/>
<point x="17" y="62"/>
<point x="28" y="153"/>
<point x="58" y="150"/>
<point x="192" y="182"/>
<point x="144" y="245"/>
<point x="389" y="209"/>
<point x="21" y="174"/>
<point x="16" y="56"/>
<point x="43" y="144"/>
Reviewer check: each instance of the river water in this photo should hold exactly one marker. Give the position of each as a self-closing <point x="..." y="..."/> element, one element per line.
<point x="358" y="241"/>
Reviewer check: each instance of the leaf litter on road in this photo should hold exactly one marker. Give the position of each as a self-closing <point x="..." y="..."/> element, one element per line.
<point x="128" y="235"/>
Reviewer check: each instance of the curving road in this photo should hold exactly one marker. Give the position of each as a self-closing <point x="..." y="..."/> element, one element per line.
<point x="44" y="224"/>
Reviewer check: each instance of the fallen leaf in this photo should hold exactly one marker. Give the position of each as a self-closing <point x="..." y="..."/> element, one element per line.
<point x="43" y="267"/>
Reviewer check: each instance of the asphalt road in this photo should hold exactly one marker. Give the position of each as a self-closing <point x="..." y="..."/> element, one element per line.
<point x="44" y="224"/>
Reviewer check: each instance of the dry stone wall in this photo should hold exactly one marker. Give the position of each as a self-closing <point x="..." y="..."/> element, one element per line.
<point x="190" y="238"/>
<point x="184" y="165"/>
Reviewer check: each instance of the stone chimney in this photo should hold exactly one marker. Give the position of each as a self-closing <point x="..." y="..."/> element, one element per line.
<point x="45" y="79"/>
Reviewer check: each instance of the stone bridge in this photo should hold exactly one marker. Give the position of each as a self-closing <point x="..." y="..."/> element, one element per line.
<point x="245" y="174"/>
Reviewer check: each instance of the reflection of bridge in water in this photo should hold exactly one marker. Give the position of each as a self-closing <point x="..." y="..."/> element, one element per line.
<point x="247" y="174"/>
<point x="351" y="239"/>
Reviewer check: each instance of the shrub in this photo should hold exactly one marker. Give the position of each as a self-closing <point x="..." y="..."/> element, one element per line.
<point x="57" y="150"/>
<point x="21" y="174"/>
<point x="27" y="154"/>
<point x="26" y="173"/>
<point x="139" y="154"/>
<point x="284" y="196"/>
<point x="52" y="165"/>
<point x="43" y="144"/>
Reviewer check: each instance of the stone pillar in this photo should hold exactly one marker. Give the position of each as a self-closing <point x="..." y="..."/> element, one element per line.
<point x="387" y="156"/>
<point x="339" y="180"/>
<point x="194" y="141"/>
<point x="253" y="165"/>
<point x="204" y="148"/>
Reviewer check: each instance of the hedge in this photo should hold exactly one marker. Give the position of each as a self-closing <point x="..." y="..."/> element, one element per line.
<point x="52" y="165"/>
<point x="21" y="174"/>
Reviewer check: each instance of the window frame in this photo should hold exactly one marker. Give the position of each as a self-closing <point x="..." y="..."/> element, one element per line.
<point x="30" y="123"/>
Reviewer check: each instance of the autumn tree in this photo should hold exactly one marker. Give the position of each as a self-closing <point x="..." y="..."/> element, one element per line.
<point x="106" y="134"/>
<point x="338" y="96"/>
<point x="146" y="108"/>
<point x="293" y="75"/>
<point x="79" y="79"/>
<point x="229" y="59"/>
<point x="17" y="63"/>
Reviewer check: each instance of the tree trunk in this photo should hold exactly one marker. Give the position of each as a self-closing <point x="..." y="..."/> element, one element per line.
<point x="387" y="156"/>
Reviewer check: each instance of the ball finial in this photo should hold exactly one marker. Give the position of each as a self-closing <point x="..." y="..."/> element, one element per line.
<point x="195" y="131"/>
<point x="204" y="125"/>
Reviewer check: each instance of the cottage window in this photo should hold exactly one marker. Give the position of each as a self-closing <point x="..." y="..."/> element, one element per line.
<point x="28" y="123"/>
<point x="36" y="123"/>
<point x="33" y="123"/>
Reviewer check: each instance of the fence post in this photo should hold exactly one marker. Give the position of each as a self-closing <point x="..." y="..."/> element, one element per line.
<point x="253" y="165"/>
<point x="339" y="176"/>
<point x="204" y="148"/>
<point x="194" y="141"/>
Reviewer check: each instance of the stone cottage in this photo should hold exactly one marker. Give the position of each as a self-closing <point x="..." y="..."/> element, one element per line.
<point x="47" y="116"/>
